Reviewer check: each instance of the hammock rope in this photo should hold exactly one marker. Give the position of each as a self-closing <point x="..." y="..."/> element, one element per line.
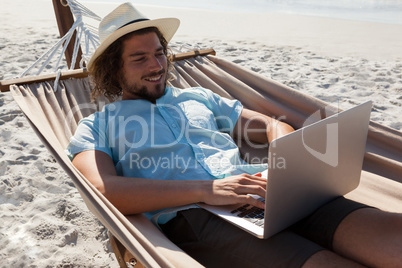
<point x="90" y="40"/>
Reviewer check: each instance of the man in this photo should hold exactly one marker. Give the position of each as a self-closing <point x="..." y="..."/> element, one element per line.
<point x="160" y="150"/>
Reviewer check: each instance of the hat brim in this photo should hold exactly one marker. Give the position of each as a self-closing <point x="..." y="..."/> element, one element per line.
<point x="167" y="26"/>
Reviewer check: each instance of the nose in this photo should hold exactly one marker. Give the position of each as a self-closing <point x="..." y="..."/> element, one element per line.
<point x="156" y="64"/>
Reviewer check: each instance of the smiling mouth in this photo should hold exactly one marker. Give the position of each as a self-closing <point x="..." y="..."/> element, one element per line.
<point x="154" y="78"/>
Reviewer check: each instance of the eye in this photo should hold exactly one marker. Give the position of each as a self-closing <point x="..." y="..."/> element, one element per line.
<point x="138" y="59"/>
<point x="160" y="53"/>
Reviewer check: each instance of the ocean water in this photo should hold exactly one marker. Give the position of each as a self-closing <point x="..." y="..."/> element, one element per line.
<point x="383" y="11"/>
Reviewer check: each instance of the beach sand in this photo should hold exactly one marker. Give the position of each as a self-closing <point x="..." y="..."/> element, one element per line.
<point x="43" y="220"/>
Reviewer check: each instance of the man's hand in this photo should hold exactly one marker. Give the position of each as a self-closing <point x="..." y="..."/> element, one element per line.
<point x="236" y="190"/>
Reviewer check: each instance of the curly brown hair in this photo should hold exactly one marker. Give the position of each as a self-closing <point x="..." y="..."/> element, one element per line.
<point x="106" y="72"/>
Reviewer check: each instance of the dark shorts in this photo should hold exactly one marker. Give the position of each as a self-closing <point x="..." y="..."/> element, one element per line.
<point x="216" y="243"/>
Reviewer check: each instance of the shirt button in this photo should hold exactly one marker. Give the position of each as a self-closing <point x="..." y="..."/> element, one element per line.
<point x="174" y="125"/>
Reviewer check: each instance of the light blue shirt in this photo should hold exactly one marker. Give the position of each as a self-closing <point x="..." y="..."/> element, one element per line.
<point x="184" y="136"/>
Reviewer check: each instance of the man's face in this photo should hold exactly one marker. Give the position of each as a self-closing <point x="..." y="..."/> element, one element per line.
<point x="144" y="68"/>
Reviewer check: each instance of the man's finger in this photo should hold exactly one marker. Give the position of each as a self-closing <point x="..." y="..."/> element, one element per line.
<point x="255" y="202"/>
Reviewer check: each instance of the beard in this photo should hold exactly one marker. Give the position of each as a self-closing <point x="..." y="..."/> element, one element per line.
<point x="144" y="92"/>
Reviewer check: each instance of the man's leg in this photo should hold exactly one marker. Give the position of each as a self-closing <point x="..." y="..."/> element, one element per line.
<point x="329" y="259"/>
<point x="366" y="235"/>
<point x="372" y="237"/>
<point x="216" y="243"/>
<point x="356" y="231"/>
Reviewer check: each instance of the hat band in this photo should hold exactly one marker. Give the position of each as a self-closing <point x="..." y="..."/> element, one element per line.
<point x="133" y="21"/>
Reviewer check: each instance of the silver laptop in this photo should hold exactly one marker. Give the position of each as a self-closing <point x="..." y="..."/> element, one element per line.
<point x="307" y="168"/>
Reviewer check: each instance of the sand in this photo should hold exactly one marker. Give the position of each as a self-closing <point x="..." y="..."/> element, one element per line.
<point x="43" y="220"/>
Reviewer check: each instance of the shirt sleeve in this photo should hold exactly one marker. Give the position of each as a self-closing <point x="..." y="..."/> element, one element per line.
<point x="226" y="111"/>
<point x="90" y="135"/>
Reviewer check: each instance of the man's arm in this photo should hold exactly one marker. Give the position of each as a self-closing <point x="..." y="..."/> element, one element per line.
<point x="138" y="195"/>
<point x="259" y="128"/>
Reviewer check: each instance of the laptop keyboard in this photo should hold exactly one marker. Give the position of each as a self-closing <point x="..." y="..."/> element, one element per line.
<point x="251" y="213"/>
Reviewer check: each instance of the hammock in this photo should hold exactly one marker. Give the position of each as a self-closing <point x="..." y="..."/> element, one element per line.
<point x="54" y="107"/>
<point x="54" y="117"/>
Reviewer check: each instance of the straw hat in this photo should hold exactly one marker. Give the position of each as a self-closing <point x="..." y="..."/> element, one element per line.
<point x="125" y="19"/>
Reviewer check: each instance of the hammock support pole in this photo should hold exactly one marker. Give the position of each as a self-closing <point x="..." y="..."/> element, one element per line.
<point x="65" y="20"/>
